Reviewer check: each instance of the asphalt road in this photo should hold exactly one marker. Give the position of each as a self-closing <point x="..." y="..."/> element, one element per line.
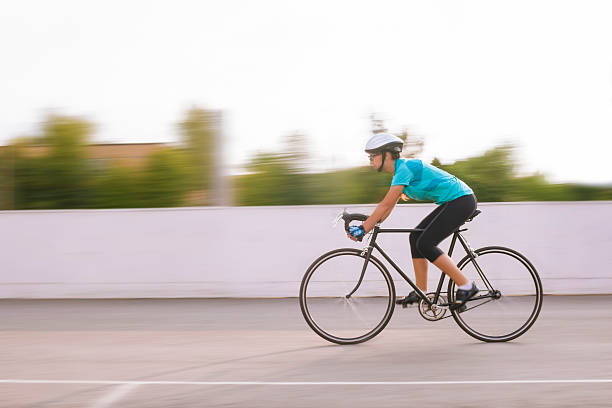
<point x="260" y="353"/>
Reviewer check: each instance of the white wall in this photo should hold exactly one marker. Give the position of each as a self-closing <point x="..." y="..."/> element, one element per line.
<point x="264" y="251"/>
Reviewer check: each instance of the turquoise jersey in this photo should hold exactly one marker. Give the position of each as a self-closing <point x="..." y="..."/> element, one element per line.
<point x="425" y="182"/>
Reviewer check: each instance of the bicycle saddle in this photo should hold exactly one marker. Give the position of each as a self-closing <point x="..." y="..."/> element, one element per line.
<point x="473" y="215"/>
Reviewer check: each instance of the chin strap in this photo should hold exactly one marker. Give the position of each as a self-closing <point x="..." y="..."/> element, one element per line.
<point x="384" y="154"/>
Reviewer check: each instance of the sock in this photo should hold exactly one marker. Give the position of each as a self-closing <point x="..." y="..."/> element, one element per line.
<point x="467" y="286"/>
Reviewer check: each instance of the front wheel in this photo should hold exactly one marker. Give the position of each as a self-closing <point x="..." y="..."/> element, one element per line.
<point x="342" y="302"/>
<point x="510" y="296"/>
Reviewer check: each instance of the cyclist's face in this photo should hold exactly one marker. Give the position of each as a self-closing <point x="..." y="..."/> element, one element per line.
<point x="375" y="159"/>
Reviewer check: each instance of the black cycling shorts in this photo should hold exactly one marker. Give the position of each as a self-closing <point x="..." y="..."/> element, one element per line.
<point x="438" y="225"/>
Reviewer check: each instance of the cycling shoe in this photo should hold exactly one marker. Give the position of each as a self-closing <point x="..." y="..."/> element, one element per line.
<point x="408" y="300"/>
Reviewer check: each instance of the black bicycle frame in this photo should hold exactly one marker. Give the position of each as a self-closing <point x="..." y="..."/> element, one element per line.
<point x="456" y="236"/>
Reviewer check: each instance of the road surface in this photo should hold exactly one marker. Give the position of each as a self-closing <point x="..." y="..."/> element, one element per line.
<point x="260" y="353"/>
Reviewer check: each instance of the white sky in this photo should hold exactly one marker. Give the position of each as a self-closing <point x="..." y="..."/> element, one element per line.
<point x="464" y="75"/>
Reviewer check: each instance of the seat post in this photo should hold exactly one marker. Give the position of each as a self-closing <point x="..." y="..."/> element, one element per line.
<point x="452" y="244"/>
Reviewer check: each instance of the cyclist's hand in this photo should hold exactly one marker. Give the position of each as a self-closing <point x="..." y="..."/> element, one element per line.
<point x="404" y="197"/>
<point x="356" y="233"/>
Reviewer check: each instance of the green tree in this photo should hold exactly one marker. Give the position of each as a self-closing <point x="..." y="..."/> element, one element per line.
<point x="358" y="185"/>
<point x="278" y="178"/>
<point x="536" y="188"/>
<point x="271" y="181"/>
<point x="166" y="178"/>
<point x="7" y="177"/>
<point x="58" y="179"/>
<point x="118" y="187"/>
<point x="491" y="175"/>
<point x="162" y="182"/>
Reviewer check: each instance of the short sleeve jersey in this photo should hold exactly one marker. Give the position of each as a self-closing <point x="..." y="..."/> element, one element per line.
<point x="425" y="182"/>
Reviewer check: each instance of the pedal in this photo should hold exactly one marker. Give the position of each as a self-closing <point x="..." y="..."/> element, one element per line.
<point x="408" y="300"/>
<point x="460" y="307"/>
<point x="404" y="303"/>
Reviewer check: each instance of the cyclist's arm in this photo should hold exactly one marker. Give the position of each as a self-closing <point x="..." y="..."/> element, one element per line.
<point x="383" y="209"/>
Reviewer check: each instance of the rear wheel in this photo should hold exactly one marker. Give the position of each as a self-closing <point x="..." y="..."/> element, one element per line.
<point x="510" y="296"/>
<point x="343" y="303"/>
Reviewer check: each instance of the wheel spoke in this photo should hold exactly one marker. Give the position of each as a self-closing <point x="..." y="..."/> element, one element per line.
<point x="333" y="315"/>
<point x="492" y="316"/>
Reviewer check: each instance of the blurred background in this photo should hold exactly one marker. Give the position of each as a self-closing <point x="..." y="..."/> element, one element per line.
<point x="151" y="104"/>
<point x="221" y="106"/>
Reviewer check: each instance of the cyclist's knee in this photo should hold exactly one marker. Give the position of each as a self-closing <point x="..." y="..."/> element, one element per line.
<point x="423" y="245"/>
<point x="428" y="248"/>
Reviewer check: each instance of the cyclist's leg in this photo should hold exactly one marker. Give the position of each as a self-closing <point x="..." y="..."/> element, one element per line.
<point x="446" y="265"/>
<point x="419" y="262"/>
<point x="420" y="272"/>
<point x="452" y="215"/>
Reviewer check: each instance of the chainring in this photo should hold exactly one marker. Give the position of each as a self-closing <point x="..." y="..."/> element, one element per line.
<point x="434" y="312"/>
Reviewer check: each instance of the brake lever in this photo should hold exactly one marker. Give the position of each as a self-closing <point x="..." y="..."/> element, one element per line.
<point x="336" y="220"/>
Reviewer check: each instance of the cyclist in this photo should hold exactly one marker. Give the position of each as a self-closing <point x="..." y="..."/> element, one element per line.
<point x="417" y="180"/>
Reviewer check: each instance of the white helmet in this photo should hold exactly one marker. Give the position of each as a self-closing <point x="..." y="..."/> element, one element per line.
<point x="381" y="142"/>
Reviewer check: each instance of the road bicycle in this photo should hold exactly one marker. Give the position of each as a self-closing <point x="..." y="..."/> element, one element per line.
<point x="347" y="295"/>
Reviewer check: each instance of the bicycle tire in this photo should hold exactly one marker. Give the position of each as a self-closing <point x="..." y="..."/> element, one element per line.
<point x="306" y="303"/>
<point x="460" y="318"/>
